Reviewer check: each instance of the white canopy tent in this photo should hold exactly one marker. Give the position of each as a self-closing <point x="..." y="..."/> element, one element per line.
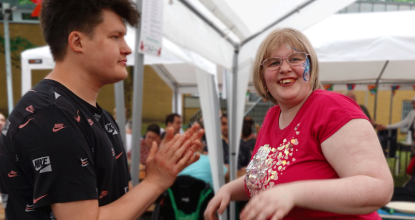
<point x="354" y="48"/>
<point x="366" y="48"/>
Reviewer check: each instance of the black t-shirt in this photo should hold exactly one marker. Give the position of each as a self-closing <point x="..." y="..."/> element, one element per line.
<point x="57" y="148"/>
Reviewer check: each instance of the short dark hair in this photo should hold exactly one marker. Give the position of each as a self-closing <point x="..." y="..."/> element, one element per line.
<point x="246" y="129"/>
<point x="59" y="18"/>
<point x="154" y="128"/>
<point x="224" y="115"/>
<point x="170" y="118"/>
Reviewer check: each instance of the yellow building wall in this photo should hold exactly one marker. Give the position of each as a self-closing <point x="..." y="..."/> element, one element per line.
<point x="383" y="104"/>
<point x="157" y="97"/>
<point x="32" y="33"/>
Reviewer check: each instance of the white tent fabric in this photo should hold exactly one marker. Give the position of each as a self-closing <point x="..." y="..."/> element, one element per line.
<point x="210" y="105"/>
<point x="353" y="48"/>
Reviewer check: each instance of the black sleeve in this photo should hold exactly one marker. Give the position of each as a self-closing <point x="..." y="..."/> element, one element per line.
<point x="55" y="156"/>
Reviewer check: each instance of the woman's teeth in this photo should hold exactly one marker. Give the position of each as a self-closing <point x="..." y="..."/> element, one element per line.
<point x="286" y="81"/>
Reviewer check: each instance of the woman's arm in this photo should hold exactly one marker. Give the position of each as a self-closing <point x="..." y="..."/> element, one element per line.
<point x="365" y="182"/>
<point x="233" y="191"/>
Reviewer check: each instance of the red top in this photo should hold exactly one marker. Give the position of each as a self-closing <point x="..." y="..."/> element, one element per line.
<point x="294" y="153"/>
<point x="410" y="169"/>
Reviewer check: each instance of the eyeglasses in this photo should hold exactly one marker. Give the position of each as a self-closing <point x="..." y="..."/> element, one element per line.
<point x="274" y="63"/>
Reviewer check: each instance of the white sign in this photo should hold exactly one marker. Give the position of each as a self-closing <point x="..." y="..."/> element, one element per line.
<point x="151" y="27"/>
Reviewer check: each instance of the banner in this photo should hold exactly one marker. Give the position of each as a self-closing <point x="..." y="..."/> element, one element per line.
<point x="350" y="87"/>
<point x="151" y="27"/>
<point x="328" y="87"/>
<point x="373" y="89"/>
<point x="394" y="88"/>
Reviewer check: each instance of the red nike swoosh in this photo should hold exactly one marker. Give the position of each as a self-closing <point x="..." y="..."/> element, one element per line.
<point x="36" y="200"/>
<point x="103" y="193"/>
<point x="119" y="155"/>
<point x="78" y="119"/>
<point x="57" y="129"/>
<point x="12" y="175"/>
<point x="22" y="125"/>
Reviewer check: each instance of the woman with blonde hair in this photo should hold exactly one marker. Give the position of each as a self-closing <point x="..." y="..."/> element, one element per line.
<point x="316" y="155"/>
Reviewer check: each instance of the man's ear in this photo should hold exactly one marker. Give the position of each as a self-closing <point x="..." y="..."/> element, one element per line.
<point x="75" y="40"/>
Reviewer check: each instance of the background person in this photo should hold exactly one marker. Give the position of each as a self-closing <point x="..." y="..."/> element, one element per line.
<point x="408" y="124"/>
<point x="351" y="95"/>
<point x="317" y="155"/>
<point x="174" y="121"/>
<point x="62" y="156"/>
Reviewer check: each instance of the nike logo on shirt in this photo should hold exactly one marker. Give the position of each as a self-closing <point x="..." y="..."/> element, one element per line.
<point x="12" y="174"/>
<point x="22" y="125"/>
<point x="58" y="127"/>
<point x="119" y="155"/>
<point x="36" y="200"/>
<point x="78" y="119"/>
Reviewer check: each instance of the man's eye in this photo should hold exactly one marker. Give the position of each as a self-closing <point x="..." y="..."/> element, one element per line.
<point x="115" y="37"/>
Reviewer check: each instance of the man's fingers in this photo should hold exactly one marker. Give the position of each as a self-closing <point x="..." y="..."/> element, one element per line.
<point x="152" y="153"/>
<point x="184" y="160"/>
<point x="195" y="157"/>
<point x="195" y="127"/>
<point x="169" y="136"/>
<point x="177" y="146"/>
<point x="197" y="135"/>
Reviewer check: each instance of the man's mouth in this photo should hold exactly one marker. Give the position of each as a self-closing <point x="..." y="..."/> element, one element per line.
<point x="123" y="62"/>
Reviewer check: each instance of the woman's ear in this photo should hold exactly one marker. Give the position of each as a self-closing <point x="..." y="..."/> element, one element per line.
<point x="75" y="41"/>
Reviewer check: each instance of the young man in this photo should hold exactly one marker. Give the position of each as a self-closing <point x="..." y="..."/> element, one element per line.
<point x="174" y="121"/>
<point x="61" y="155"/>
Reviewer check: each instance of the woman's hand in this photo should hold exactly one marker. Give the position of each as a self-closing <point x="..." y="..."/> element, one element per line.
<point x="218" y="203"/>
<point x="276" y="202"/>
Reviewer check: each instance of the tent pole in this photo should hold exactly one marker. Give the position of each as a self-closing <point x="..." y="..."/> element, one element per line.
<point x="8" y="61"/>
<point x="233" y="149"/>
<point x="120" y="106"/>
<point x="137" y="104"/>
<point x="377" y="84"/>
<point x="175" y="98"/>
<point x="390" y="121"/>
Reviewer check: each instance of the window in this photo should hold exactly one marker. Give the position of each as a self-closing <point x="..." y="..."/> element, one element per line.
<point x="28" y="16"/>
<point x="406" y="108"/>
<point x="366" y="7"/>
<point x="379" y="7"/>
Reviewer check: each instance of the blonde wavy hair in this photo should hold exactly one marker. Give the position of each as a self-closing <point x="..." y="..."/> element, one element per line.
<point x="273" y="41"/>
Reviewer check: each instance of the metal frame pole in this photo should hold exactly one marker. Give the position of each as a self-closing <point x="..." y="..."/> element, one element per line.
<point x="120" y="106"/>
<point x="232" y="130"/>
<point x="10" y="104"/>
<point x="137" y="104"/>
<point x="377" y="84"/>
